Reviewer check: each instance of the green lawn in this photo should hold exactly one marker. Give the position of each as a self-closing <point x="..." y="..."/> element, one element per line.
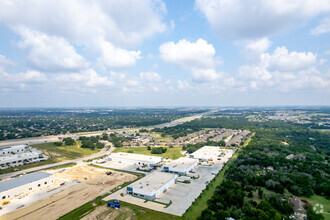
<point x="322" y="201"/>
<point x="172" y="153"/>
<point x="62" y="153"/>
<point x="147" y="214"/>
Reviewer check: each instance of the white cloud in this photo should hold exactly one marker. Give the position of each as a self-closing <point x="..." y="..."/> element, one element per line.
<point x="4" y="61"/>
<point x="322" y="28"/>
<point x="21" y="80"/>
<point x="124" y="22"/>
<point x="253" y="72"/>
<point x="112" y="56"/>
<point x="150" y="76"/>
<point x="241" y="19"/>
<point x="253" y="48"/>
<point x="50" y="53"/>
<point x="205" y="75"/>
<point x="283" y="71"/>
<point x="87" y="77"/>
<point x="199" y="54"/>
<point x="183" y="85"/>
<point x="198" y="57"/>
<point x="282" y="60"/>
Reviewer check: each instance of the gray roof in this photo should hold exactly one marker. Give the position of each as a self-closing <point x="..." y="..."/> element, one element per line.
<point x="22" y="180"/>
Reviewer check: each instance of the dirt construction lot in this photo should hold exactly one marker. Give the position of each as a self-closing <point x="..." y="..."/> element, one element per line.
<point x="97" y="183"/>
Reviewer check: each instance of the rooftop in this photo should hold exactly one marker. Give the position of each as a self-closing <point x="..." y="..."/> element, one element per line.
<point x="182" y="163"/>
<point x="22" y="180"/>
<point x="12" y="147"/>
<point x="138" y="157"/>
<point x="22" y="156"/>
<point x="206" y="151"/>
<point x="153" y="181"/>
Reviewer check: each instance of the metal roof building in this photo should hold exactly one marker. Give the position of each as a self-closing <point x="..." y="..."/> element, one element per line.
<point x="23" y="184"/>
<point x="13" y="149"/>
<point x="151" y="186"/>
<point x="138" y="159"/>
<point x="181" y="166"/>
<point x="205" y="153"/>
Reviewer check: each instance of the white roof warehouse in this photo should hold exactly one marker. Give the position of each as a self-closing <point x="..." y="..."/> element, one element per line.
<point x="181" y="166"/>
<point x="205" y="153"/>
<point x="151" y="186"/>
<point x="23" y="184"/>
<point x="138" y="159"/>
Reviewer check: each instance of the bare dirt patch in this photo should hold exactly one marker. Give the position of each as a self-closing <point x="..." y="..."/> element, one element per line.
<point x="104" y="212"/>
<point x="97" y="183"/>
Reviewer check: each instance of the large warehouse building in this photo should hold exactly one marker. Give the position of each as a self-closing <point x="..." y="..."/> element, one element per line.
<point x="181" y="166"/>
<point x="19" y="155"/>
<point x="137" y="159"/>
<point x="4" y="151"/>
<point x="24" y="184"/>
<point x="205" y="153"/>
<point x="151" y="186"/>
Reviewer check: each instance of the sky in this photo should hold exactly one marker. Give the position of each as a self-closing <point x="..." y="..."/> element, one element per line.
<point x="83" y="53"/>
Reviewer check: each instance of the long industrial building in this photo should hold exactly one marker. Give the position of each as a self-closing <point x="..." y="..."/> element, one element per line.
<point x="151" y="186"/>
<point x="24" y="184"/>
<point x="137" y="159"/>
<point x="181" y="166"/>
<point x="4" y="151"/>
<point x="18" y="155"/>
<point x="205" y="153"/>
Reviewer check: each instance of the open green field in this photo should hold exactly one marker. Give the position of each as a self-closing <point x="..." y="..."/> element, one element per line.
<point x="316" y="199"/>
<point x="161" y="139"/>
<point x="172" y="153"/>
<point x="62" y="153"/>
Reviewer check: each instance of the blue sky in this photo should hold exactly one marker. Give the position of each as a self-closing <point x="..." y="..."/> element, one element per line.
<point x="164" y="53"/>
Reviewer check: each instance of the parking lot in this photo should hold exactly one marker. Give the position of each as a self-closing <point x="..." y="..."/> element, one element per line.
<point x="182" y="195"/>
<point x="121" y="166"/>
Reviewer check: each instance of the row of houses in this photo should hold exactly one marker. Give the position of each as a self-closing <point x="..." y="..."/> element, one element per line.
<point x="237" y="139"/>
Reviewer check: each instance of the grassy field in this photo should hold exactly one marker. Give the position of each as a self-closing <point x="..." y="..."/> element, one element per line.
<point x="162" y="139"/>
<point x="62" y="153"/>
<point x="172" y="153"/>
<point x="316" y="199"/>
<point x="147" y="214"/>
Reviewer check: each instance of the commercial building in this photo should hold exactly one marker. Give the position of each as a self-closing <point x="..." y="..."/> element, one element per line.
<point x="205" y="153"/>
<point x="24" y="184"/>
<point x="21" y="159"/>
<point x="4" y="151"/>
<point x="181" y="166"/>
<point x="151" y="186"/>
<point x="138" y="159"/>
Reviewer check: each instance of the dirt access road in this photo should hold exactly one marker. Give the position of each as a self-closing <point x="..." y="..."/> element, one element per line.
<point x="53" y="207"/>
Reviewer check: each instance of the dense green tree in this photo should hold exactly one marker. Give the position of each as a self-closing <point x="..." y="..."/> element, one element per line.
<point x="69" y="141"/>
